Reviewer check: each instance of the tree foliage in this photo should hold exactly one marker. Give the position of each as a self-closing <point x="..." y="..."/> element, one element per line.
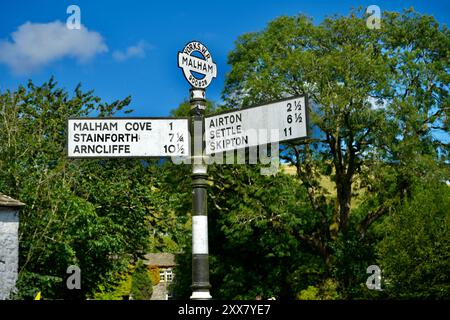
<point x="380" y="111"/>
<point x="96" y="214"/>
<point x="141" y="283"/>
<point x="415" y="250"/>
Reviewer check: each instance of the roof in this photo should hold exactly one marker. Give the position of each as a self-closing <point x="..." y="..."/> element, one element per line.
<point x="6" y="201"/>
<point x="160" y="259"/>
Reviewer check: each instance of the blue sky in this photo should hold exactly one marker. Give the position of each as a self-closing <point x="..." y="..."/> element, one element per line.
<point x="130" y="47"/>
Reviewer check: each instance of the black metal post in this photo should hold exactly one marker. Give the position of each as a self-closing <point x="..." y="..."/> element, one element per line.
<point x="200" y="263"/>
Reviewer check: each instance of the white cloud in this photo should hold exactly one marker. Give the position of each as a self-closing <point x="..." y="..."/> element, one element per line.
<point x="136" y="51"/>
<point x="35" y="45"/>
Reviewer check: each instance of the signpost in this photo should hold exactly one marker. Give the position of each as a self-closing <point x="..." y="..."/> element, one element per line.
<point x="127" y="137"/>
<point x="199" y="70"/>
<point x="274" y="122"/>
<point x="172" y="137"/>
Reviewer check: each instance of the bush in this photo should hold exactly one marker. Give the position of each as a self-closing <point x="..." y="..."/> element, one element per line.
<point x="141" y="283"/>
<point x="154" y="272"/>
<point x="415" y="253"/>
<point x="328" y="290"/>
<point x="122" y="290"/>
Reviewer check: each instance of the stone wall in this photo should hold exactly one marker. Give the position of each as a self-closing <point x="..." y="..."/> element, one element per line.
<point x="159" y="292"/>
<point x="9" y="250"/>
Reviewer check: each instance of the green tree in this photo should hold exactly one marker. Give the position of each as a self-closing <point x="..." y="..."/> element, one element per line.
<point x="141" y="283"/>
<point x="96" y="214"/>
<point x="340" y="65"/>
<point x="376" y="97"/>
<point x="415" y="250"/>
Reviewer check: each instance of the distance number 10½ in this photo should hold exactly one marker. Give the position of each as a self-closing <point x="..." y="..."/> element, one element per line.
<point x="293" y="110"/>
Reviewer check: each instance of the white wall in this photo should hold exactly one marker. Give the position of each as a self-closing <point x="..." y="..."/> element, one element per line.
<point x="9" y="250"/>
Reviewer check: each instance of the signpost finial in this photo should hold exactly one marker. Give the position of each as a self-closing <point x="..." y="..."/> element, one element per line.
<point x="197" y="64"/>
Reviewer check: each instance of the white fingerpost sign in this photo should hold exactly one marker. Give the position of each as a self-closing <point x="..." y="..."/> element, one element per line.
<point x="197" y="64"/>
<point x="274" y="122"/>
<point x="127" y="137"/>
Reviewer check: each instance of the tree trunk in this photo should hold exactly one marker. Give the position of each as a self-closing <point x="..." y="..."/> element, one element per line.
<point x="344" y="191"/>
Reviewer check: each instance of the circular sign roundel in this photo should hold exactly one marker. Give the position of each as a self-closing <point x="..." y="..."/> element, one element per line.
<point x="197" y="64"/>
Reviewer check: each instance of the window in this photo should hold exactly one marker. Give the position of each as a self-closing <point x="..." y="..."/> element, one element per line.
<point x="166" y="275"/>
<point x="169" y="275"/>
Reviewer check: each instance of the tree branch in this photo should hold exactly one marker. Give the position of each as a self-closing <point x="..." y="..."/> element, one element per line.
<point x="370" y="219"/>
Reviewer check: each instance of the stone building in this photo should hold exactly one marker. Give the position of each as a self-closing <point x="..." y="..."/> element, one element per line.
<point x="9" y="244"/>
<point x="165" y="262"/>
